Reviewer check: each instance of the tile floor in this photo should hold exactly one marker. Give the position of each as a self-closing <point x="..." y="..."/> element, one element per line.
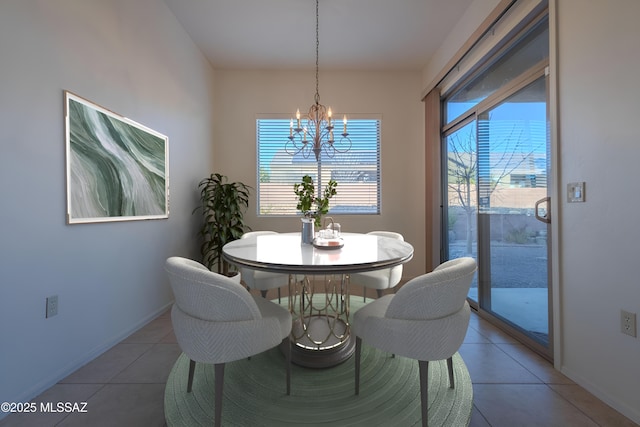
<point x="512" y="385"/>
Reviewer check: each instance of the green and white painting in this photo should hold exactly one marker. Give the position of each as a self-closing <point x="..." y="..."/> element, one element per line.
<point x="117" y="169"/>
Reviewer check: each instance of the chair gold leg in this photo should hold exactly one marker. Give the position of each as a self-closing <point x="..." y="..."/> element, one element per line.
<point x="357" y="356"/>
<point x="192" y="368"/>
<point x="424" y="391"/>
<point x="450" y="368"/>
<point x="219" y="380"/>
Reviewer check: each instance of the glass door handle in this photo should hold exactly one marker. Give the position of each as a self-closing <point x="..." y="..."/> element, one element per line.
<point x="546" y="217"/>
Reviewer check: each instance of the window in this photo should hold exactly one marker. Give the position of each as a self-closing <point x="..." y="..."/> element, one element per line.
<point x="357" y="171"/>
<point x="531" y="49"/>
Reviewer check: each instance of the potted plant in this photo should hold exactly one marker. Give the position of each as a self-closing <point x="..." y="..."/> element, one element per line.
<point x="307" y="200"/>
<point x="223" y="205"/>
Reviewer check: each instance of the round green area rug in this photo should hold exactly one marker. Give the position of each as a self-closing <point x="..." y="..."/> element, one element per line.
<point x="255" y="393"/>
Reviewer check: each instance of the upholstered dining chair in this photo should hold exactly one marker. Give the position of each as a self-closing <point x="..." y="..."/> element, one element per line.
<point x="216" y="321"/>
<point x="262" y="280"/>
<point x="426" y="320"/>
<point x="379" y="279"/>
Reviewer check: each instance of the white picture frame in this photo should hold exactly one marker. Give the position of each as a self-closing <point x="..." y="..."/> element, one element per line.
<point x="116" y="169"/>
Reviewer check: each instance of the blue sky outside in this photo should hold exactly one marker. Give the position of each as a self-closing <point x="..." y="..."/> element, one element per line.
<point x="526" y="120"/>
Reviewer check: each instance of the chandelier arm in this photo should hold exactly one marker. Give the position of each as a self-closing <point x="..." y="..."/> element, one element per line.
<point x="344" y="140"/>
<point x="319" y="127"/>
<point x="328" y="147"/>
<point x="295" y="145"/>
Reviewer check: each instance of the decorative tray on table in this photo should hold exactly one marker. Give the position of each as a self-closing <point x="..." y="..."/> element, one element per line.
<point x="332" y="243"/>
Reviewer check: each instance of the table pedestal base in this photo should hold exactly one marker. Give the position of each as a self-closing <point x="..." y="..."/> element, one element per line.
<point x="320" y="334"/>
<point x="331" y="352"/>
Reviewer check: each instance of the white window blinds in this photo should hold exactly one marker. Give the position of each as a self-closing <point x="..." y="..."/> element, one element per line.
<point x="357" y="171"/>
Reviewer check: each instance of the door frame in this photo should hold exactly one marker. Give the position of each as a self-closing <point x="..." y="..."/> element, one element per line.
<point x="539" y="70"/>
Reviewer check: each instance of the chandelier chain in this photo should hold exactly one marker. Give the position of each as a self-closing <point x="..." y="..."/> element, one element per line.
<point x="319" y="125"/>
<point x="317" y="97"/>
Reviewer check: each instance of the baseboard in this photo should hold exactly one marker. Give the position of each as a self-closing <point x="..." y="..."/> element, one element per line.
<point x="630" y="412"/>
<point x="76" y="364"/>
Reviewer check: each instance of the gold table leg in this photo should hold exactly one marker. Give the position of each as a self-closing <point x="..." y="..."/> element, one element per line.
<point x="320" y="334"/>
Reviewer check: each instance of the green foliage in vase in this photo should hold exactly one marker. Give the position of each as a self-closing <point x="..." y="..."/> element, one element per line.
<point x="306" y="193"/>
<point x="223" y="205"/>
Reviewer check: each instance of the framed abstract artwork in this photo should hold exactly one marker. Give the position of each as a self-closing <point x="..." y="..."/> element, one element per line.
<point x="117" y="169"/>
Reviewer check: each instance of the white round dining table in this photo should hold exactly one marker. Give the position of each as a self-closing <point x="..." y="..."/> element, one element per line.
<point x="284" y="253"/>
<point x="320" y="331"/>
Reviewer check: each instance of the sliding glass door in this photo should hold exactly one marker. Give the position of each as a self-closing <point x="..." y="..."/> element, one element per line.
<point x="496" y="157"/>
<point x="512" y="181"/>
<point x="497" y="163"/>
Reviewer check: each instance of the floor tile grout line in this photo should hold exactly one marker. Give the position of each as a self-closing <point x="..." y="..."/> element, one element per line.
<point x="488" y="338"/>
<point x="115" y="375"/>
<point x="550" y="389"/>
<point x="88" y="398"/>
<point x="162" y="339"/>
<point x="110" y="380"/>
<point x="481" y="414"/>
<point x="523" y="366"/>
<point x="498" y="346"/>
<point x="573" y="404"/>
<point x="546" y="384"/>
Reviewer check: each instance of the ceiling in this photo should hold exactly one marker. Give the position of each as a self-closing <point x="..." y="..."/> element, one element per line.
<point x="354" y="34"/>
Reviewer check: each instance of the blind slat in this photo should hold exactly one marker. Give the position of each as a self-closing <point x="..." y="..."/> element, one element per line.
<point x="357" y="171"/>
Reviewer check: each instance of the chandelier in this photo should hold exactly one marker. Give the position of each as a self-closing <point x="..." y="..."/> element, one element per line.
<point x="315" y="133"/>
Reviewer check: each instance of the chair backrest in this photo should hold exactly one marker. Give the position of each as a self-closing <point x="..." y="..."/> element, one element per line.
<point x="433" y="295"/>
<point x="451" y="263"/>
<point x="395" y="273"/>
<point x="256" y="233"/>
<point x="389" y="234"/>
<point x="206" y="295"/>
<point x="248" y="274"/>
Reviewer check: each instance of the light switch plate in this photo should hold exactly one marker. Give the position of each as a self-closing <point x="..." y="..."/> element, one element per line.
<point x="575" y="192"/>
<point x="52" y="306"/>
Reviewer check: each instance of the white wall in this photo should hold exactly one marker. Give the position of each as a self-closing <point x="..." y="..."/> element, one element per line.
<point x="459" y="34"/>
<point x="241" y="95"/>
<point x="599" y="94"/>
<point x="133" y="58"/>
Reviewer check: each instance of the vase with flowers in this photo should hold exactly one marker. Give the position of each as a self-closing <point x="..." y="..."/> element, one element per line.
<point x="312" y="207"/>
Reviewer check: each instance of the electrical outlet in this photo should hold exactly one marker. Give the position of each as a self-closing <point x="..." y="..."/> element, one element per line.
<point x="52" y="306"/>
<point x="628" y="323"/>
